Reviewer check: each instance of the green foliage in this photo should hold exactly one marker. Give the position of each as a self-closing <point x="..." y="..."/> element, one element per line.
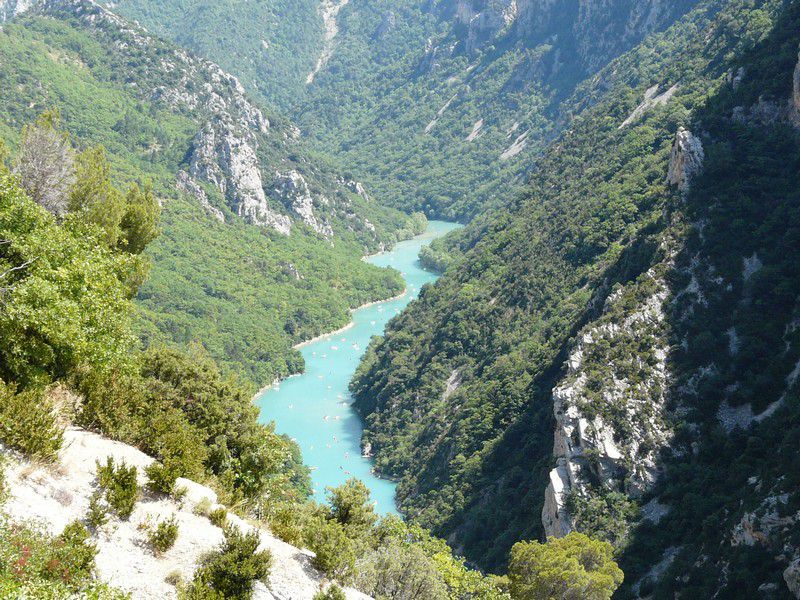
<point x="334" y="592"/>
<point x="97" y="515"/>
<point x="197" y="422"/>
<point x="334" y="550"/>
<point x="571" y="568"/>
<point x="162" y="535"/>
<point x="29" y="558"/>
<point x="229" y="285"/>
<point x="64" y="296"/>
<point x="120" y="486"/>
<point x="28" y="423"/>
<point x="351" y="506"/>
<point x="396" y="570"/>
<point x="93" y="198"/>
<point x="139" y="224"/>
<point x="231" y="571"/>
<point x="218" y="517"/>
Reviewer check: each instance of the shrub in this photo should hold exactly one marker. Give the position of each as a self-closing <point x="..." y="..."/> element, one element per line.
<point x="28" y="423"/>
<point x="203" y="508"/>
<point x="72" y="556"/>
<point x="334" y="552"/>
<point x="568" y="568"/>
<point x="351" y="506"/>
<point x="162" y="537"/>
<point x="218" y="517"/>
<point x="286" y="523"/>
<point x="120" y="485"/>
<point x="160" y="479"/>
<point x="334" y="592"/>
<point x="231" y="571"/>
<point x="28" y="554"/>
<point x="97" y="516"/>
<point x="398" y="570"/>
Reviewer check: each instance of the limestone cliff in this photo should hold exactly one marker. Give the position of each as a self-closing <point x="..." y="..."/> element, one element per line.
<point x="686" y="160"/>
<point x="292" y="190"/>
<point x="10" y="8"/>
<point x="610" y="409"/>
<point x="227" y="159"/>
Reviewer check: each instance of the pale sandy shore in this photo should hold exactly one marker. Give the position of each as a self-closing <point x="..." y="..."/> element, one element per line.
<point x="326" y="335"/>
<point x="350" y="324"/>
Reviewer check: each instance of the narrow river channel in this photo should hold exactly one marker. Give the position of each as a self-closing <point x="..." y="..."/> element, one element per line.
<point x="315" y="407"/>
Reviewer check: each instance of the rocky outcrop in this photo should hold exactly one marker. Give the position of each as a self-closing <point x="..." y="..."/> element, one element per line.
<point x="329" y="11"/>
<point x="792" y="577"/>
<point x="291" y="189"/>
<point x="12" y="8"/>
<point x="227" y="160"/>
<point x="686" y="160"/>
<point x="483" y="21"/>
<point x="54" y="496"/>
<point x="190" y="187"/>
<point x="609" y="429"/>
<point x="388" y="23"/>
<point x="761" y="526"/>
<point x="652" y="99"/>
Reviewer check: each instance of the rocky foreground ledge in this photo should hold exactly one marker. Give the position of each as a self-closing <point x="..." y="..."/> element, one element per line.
<point x="55" y="495"/>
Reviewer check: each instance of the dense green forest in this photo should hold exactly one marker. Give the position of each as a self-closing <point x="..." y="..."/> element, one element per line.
<point x="458" y="396"/>
<point x="246" y="293"/>
<point x="440" y="106"/>
<point x="599" y="397"/>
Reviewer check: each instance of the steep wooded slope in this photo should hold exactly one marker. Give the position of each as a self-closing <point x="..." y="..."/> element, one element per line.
<point x="440" y="106"/>
<point x="221" y="166"/>
<point x="650" y="323"/>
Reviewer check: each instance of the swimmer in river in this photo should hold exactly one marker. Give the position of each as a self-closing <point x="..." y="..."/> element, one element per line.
<point x="325" y="418"/>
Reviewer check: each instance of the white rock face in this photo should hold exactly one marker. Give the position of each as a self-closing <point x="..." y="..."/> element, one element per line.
<point x="485" y="23"/>
<point x="651" y="99"/>
<point x="57" y="495"/>
<point x="329" y="11"/>
<point x="190" y="186"/>
<point x="686" y="160"/>
<point x="758" y="526"/>
<point x="792" y="577"/>
<point x="12" y="8"/>
<point x="228" y="161"/>
<point x="586" y="446"/>
<point x="292" y="190"/>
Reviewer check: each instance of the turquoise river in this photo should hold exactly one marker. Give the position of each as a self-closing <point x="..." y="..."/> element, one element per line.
<point x="315" y="408"/>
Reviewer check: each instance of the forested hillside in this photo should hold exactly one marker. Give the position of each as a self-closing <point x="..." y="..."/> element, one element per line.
<point x="640" y="299"/>
<point x="220" y="166"/>
<point x="440" y="106"/>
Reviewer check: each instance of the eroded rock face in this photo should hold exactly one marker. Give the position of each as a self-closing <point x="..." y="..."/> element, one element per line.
<point x="686" y="160"/>
<point x="227" y="160"/>
<point x="292" y="190"/>
<point x="484" y="20"/>
<point x="190" y="186"/>
<point x="11" y="8"/>
<point x="612" y="435"/>
<point x="792" y="577"/>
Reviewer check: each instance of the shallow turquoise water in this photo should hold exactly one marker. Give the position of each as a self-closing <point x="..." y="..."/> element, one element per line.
<point x="314" y="408"/>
